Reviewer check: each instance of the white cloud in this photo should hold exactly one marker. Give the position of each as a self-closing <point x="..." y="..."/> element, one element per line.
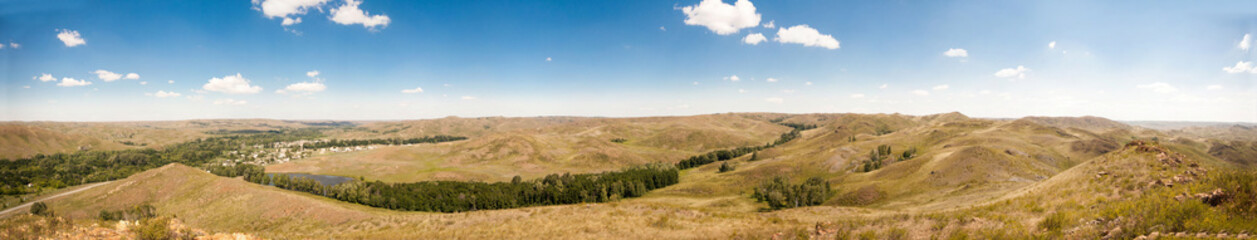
<point x="27" y="86"/>
<point x="350" y="14"/>
<point x="771" y="80"/>
<point x="303" y="88"/>
<point x="808" y="83"/>
<point x="770" y="24"/>
<point x="549" y="59"/>
<point x="469" y="98"/>
<point x="733" y="78"/>
<point x="46" y="78"/>
<point x="416" y="90"/>
<point x="1241" y="67"/>
<point x="231" y="84"/>
<point x="661" y="28"/>
<point x="70" y="82"/>
<point x="857" y="95"/>
<point x="228" y="101"/>
<point x="1019" y="72"/>
<point x="808" y="36"/>
<point x="163" y="94"/>
<point x="956" y="52"/>
<point x="920" y="92"/>
<point x="722" y="18"/>
<point x="314" y="73"/>
<point x="1214" y="87"/>
<point x="13" y="45"/>
<point x="1158" y="87"/>
<point x="788" y="91"/>
<point x="290" y="21"/>
<point x="1244" y="43"/>
<point x="143" y="83"/>
<point x="107" y="75"/>
<point x="776" y="100"/>
<point x="170" y="81"/>
<point x="132" y="76"/>
<point x="754" y="39"/>
<point x="741" y="90"/>
<point x="71" y="38"/>
<point x="884" y="86"/>
<point x="696" y="83"/>
<point x="941" y="87"/>
<point x="284" y="8"/>
<point x="1052" y="45"/>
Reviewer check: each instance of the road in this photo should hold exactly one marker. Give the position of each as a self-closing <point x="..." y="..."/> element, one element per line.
<point x="28" y="204"/>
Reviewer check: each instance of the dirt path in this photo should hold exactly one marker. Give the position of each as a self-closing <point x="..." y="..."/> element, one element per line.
<point x="28" y="204"/>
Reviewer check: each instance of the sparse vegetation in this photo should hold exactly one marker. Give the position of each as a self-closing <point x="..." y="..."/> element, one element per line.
<point x="41" y="209"/>
<point x="619" y="140"/>
<point x="722" y="155"/>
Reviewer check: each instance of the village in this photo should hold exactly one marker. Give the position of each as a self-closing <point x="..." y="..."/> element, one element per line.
<point x="282" y="152"/>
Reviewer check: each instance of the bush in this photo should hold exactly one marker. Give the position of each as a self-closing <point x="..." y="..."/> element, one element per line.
<point x="725" y="167"/>
<point x="41" y="209"/>
<point x="154" y="229"/>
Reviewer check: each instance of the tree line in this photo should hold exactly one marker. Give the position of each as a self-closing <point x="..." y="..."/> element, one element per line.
<point x="382" y="141"/>
<point x="458" y="196"/>
<point x="779" y="193"/>
<point x="726" y="154"/>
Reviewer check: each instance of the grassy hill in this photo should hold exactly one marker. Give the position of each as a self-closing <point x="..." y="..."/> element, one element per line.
<point x="976" y="178"/>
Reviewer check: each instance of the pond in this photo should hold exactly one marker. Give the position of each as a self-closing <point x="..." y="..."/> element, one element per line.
<point x="326" y="180"/>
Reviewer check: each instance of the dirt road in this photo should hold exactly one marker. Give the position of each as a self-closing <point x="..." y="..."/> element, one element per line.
<point x="6" y="212"/>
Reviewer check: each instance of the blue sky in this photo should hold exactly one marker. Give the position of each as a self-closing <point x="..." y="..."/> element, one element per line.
<point x="1126" y="60"/>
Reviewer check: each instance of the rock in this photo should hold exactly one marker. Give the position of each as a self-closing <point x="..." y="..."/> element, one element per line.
<point x="1112" y="234"/>
<point x="1180" y="234"/>
<point x="1154" y="235"/>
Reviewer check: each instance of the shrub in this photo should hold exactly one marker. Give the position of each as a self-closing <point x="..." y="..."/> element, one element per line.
<point x="41" y="209"/>
<point x="725" y="167"/>
<point x="154" y="229"/>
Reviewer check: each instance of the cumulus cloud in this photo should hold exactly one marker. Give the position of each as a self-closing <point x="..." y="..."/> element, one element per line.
<point x="776" y="100"/>
<point x="771" y="80"/>
<point x="956" y="52"/>
<point x="1214" y="87"/>
<point x="132" y="76"/>
<point x="469" y="98"/>
<point x="1244" y="43"/>
<point x="884" y="86"/>
<point x="548" y="59"/>
<point x="228" y="101"/>
<point x="70" y="82"/>
<point x="170" y="81"/>
<point x="733" y="78"/>
<point x="290" y="21"/>
<point x="1052" y="45"/>
<point x="1019" y="72"/>
<point x="857" y="95"/>
<point x="143" y="83"/>
<point x="107" y="75"/>
<point x="46" y="78"/>
<point x="416" y="90"/>
<point x="941" y="87"/>
<point x="920" y="92"/>
<point x="303" y="88"/>
<point x="12" y="45"/>
<point x="741" y="90"/>
<point x="71" y="38"/>
<point x="1241" y="67"/>
<point x="231" y="84"/>
<point x="1158" y="87"/>
<point x="350" y="14"/>
<point x="754" y="38"/>
<point x="164" y="94"/>
<point x="807" y="36"/>
<point x="314" y="73"/>
<point x="722" y="18"/>
<point x="285" y="8"/>
<point x="770" y="24"/>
